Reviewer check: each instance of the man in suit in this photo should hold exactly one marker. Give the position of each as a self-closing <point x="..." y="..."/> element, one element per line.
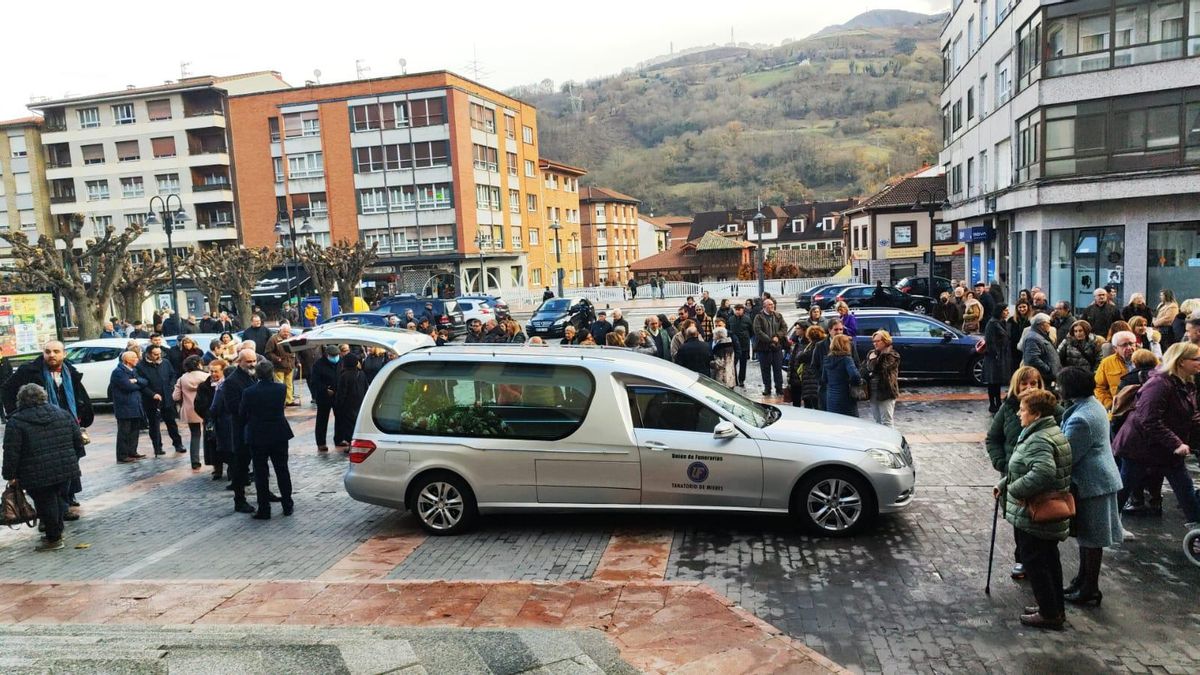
<point x="268" y="433"/>
<point x="125" y="392"/>
<point x="236" y="384"/>
<point x="156" y="398"/>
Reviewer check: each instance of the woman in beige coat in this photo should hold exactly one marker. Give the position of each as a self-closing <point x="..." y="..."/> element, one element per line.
<point x="185" y="395"/>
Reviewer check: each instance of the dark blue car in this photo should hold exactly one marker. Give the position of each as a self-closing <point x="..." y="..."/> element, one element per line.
<point x="928" y="348"/>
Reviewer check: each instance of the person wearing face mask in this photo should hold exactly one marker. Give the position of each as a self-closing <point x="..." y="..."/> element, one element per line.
<point x="322" y="383"/>
<point x="348" y="397"/>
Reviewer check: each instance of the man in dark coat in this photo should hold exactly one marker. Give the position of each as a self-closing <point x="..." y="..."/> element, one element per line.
<point x="710" y="305"/>
<point x="267" y="433"/>
<point x="138" y="332"/>
<point x="695" y="354"/>
<point x="547" y="294"/>
<point x="125" y="391"/>
<point x="237" y="382"/>
<point x="170" y="323"/>
<point x="42" y="447"/>
<point x="987" y="300"/>
<point x="474" y="332"/>
<point x="600" y="328"/>
<point x="770" y="338"/>
<point x="257" y="332"/>
<point x="156" y="398"/>
<point x="224" y="324"/>
<point x="1100" y="314"/>
<point x="741" y="327"/>
<point x="322" y="383"/>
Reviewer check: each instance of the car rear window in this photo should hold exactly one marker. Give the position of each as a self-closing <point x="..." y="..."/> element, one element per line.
<point x="484" y="400"/>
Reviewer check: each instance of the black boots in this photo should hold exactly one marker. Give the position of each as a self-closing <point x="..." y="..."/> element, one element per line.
<point x="1088" y="590"/>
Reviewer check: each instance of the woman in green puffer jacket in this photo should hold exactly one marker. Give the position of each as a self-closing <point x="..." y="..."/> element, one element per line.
<point x="1002" y="435"/>
<point x="1040" y="464"/>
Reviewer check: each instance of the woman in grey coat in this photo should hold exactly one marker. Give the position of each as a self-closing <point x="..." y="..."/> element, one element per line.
<point x="1095" y="481"/>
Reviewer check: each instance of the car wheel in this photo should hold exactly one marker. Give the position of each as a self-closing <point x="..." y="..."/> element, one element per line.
<point x="1191" y="546"/>
<point x="443" y="504"/>
<point x="920" y="308"/>
<point x="975" y="371"/>
<point x="834" y="502"/>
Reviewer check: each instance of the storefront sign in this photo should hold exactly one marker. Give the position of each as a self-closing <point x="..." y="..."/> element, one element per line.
<point x="27" y="321"/>
<point x="974" y="235"/>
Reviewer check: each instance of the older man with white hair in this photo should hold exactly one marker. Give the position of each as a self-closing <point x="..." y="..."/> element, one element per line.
<point x="1114" y="366"/>
<point x="1038" y="351"/>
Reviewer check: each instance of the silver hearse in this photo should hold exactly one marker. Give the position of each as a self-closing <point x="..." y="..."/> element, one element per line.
<point x="454" y="432"/>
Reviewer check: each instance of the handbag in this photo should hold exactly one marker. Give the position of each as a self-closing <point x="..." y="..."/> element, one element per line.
<point x="15" y="508"/>
<point x="1050" y="507"/>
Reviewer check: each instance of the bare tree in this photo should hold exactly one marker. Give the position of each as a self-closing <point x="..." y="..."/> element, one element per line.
<point x="352" y="263"/>
<point x="230" y="269"/>
<point x="206" y="268"/>
<point x="141" y="272"/>
<point x="319" y="263"/>
<point x="85" y="277"/>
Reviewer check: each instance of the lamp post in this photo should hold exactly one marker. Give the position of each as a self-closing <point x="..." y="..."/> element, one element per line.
<point x="479" y="240"/>
<point x="929" y="201"/>
<point x="759" y="219"/>
<point x="285" y="224"/>
<point x="169" y="219"/>
<point x="558" y="272"/>
<point x="577" y="245"/>
<point x="74" y="224"/>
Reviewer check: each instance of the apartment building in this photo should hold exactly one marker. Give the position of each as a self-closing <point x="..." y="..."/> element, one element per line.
<point x="560" y="205"/>
<point x="107" y="155"/>
<point x="1072" y="143"/>
<point x="609" y="231"/>
<point x="420" y="164"/>
<point x="654" y="235"/>
<point x="24" y="204"/>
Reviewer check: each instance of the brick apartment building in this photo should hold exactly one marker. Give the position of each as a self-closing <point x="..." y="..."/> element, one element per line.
<point x="24" y="202"/>
<point x="609" y="231"/>
<point x="560" y="190"/>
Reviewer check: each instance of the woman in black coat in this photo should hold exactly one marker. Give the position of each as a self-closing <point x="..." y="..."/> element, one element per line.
<point x="42" y="447"/>
<point x="351" y="388"/>
<point x="997" y="356"/>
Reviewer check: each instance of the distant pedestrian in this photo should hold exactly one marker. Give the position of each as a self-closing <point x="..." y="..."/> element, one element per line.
<point x="283" y="360"/>
<point x="228" y="402"/>
<point x="803" y="378"/>
<point x="184" y="393"/>
<point x="547" y="294"/>
<point x="268" y="433"/>
<point x="997" y="357"/>
<point x="156" y="399"/>
<point x="125" y="387"/>
<point x="770" y="337"/>
<point x="322" y="385"/>
<point x="880" y="372"/>
<point x="633" y="288"/>
<point x="214" y="435"/>
<point x="257" y="333"/>
<point x="741" y="329"/>
<point x="42" y="447"/>
<point x="839" y="376"/>
<point x="348" y="397"/>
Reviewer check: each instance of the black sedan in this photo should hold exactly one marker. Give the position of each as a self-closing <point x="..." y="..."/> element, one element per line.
<point x="885" y="296"/>
<point x="826" y="298"/>
<point x="920" y="286"/>
<point x="928" y="348"/>
<point x="805" y="299"/>
<point x="551" y="318"/>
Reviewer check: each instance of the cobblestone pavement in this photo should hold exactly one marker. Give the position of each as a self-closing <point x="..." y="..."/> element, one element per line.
<point x="905" y="596"/>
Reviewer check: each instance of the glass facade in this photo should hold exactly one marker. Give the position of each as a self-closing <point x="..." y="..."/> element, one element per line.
<point x="1173" y="260"/>
<point x="1089" y="35"/>
<point x="1085" y="259"/>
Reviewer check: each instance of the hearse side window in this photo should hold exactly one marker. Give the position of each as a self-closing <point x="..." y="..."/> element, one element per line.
<point x="484" y="400"/>
<point x="657" y="408"/>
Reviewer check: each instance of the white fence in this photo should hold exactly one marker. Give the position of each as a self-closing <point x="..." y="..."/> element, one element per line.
<point x="734" y="290"/>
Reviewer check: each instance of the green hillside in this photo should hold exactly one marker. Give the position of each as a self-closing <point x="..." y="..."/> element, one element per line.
<point x="829" y="116"/>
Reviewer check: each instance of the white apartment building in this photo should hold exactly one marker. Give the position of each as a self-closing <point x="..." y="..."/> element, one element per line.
<point x="107" y="155"/>
<point x="1072" y="143"/>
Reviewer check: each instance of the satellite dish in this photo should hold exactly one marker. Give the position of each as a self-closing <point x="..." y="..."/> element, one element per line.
<point x="403" y="66"/>
<point x="403" y="62"/>
<point x="316" y="72"/>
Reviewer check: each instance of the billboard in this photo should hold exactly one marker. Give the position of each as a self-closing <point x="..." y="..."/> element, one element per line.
<point x="27" y="321"/>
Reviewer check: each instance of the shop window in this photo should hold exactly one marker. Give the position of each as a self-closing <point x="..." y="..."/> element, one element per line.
<point x="1173" y="260"/>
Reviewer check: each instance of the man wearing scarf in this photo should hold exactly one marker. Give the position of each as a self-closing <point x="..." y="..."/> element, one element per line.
<point x="64" y="388"/>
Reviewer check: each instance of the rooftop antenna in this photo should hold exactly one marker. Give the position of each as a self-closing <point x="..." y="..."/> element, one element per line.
<point x="403" y="66"/>
<point x="474" y="66"/>
<point x="576" y="100"/>
<point x="317" y="75"/>
<point x="360" y="67"/>
<point x="184" y="70"/>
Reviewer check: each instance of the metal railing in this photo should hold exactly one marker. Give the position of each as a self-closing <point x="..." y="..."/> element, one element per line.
<point x="673" y="290"/>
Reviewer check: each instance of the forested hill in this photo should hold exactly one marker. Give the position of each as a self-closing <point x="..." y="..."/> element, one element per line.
<point x="828" y="116"/>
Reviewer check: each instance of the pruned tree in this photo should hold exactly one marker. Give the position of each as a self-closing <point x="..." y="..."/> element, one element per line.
<point x="86" y="277"/>
<point x="320" y="267"/>
<point x="343" y="264"/>
<point x="230" y="269"/>
<point x="141" y="272"/>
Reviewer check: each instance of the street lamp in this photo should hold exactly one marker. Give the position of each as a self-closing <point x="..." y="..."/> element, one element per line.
<point x="285" y="224"/>
<point x="169" y="219"/>
<point x="558" y="256"/>
<point x="928" y="200"/>
<point x="74" y="224"/>
<point x="479" y="241"/>
<point x="759" y="219"/>
<point x="577" y="245"/>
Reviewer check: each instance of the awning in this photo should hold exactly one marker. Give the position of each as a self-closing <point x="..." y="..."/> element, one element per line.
<point x="280" y="282"/>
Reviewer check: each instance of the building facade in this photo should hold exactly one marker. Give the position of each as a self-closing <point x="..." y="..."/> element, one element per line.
<point x="609" y="230"/>
<point x="428" y="166"/>
<point x="554" y="248"/>
<point x="1072" y="144"/>
<point x="24" y="203"/>
<point x="654" y="235"/>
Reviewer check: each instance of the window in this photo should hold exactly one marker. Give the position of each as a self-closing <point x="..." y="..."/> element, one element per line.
<point x="88" y="117"/>
<point x="957" y="114"/>
<point x="16" y="145"/>
<point x="535" y="275"/>
<point x="530" y="171"/>
<point x="24" y="184"/>
<point x="486" y="158"/>
<point x="970" y="176"/>
<point x="306" y="165"/>
<point x="1029" y="52"/>
<point x="97" y="190"/>
<point x="128" y="151"/>
<point x="168" y="183"/>
<point x="395" y="114"/>
<point x="132" y="187"/>
<point x="372" y="200"/>
<point x="668" y="410"/>
<point x="123" y="113"/>
<point x="510" y="127"/>
<point x="534" y="236"/>
<point x="512" y="163"/>
<point x="163" y="146"/>
<point x="278" y="162"/>
<point x="956" y="183"/>
<point x="1027" y="147"/>
<point x="946" y="125"/>
<point x="435" y="196"/>
<point x="904" y="234"/>
<point x="517" y="274"/>
<point x="911" y="327"/>
<point x="527" y="134"/>
<point x="956" y="53"/>
<point x="531" y="203"/>
<point x="367" y="160"/>
<point x="424" y="155"/>
<point x="516" y="237"/>
<point x="947" y="69"/>
<point x="982" y="96"/>
<point x="1003" y="84"/>
<point x="92" y="154"/>
<point x="1172" y="259"/>
<point x="487" y="197"/>
<point x="159" y="109"/>
<point x="983" y="172"/>
<point x="983" y="22"/>
<point x="944" y="233"/>
<point x="514" y="201"/>
<point x="971" y="103"/>
<point x="427" y="112"/>
<point x="135" y="219"/>
<point x="599" y="212"/>
<point x="296" y="125"/>
<point x="365" y="117"/>
<point x="482" y="118"/>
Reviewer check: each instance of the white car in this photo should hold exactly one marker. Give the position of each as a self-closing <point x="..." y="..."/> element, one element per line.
<point x="476" y="309"/>
<point x="455" y="432"/>
<point x="95" y="361"/>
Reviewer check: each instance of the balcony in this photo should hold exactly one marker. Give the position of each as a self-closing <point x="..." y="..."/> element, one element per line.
<point x="211" y="187"/>
<point x="62" y="199"/>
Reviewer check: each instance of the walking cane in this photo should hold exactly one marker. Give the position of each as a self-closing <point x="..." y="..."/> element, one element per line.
<point x="987" y="589"/>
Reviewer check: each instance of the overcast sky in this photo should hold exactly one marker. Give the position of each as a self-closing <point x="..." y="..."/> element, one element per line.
<point x="75" y="48"/>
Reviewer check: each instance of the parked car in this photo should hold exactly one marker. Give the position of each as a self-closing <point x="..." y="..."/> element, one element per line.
<point x="827" y="297"/>
<point x="920" y="286"/>
<point x="805" y="299"/>
<point x="865" y="296"/>
<point x="449" y="316"/>
<point x="494" y="302"/>
<point x="928" y="348"/>
<point x="461" y="431"/>
<point x="476" y="309"/>
<point x="363" y="318"/>
<point x="95" y="361"/>
<point x="551" y="317"/>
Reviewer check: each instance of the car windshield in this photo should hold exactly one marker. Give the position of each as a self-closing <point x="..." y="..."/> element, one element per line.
<point x="555" y="305"/>
<point x="734" y="403"/>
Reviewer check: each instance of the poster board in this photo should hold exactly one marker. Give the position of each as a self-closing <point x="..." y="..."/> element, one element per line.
<point x="27" y="321"/>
